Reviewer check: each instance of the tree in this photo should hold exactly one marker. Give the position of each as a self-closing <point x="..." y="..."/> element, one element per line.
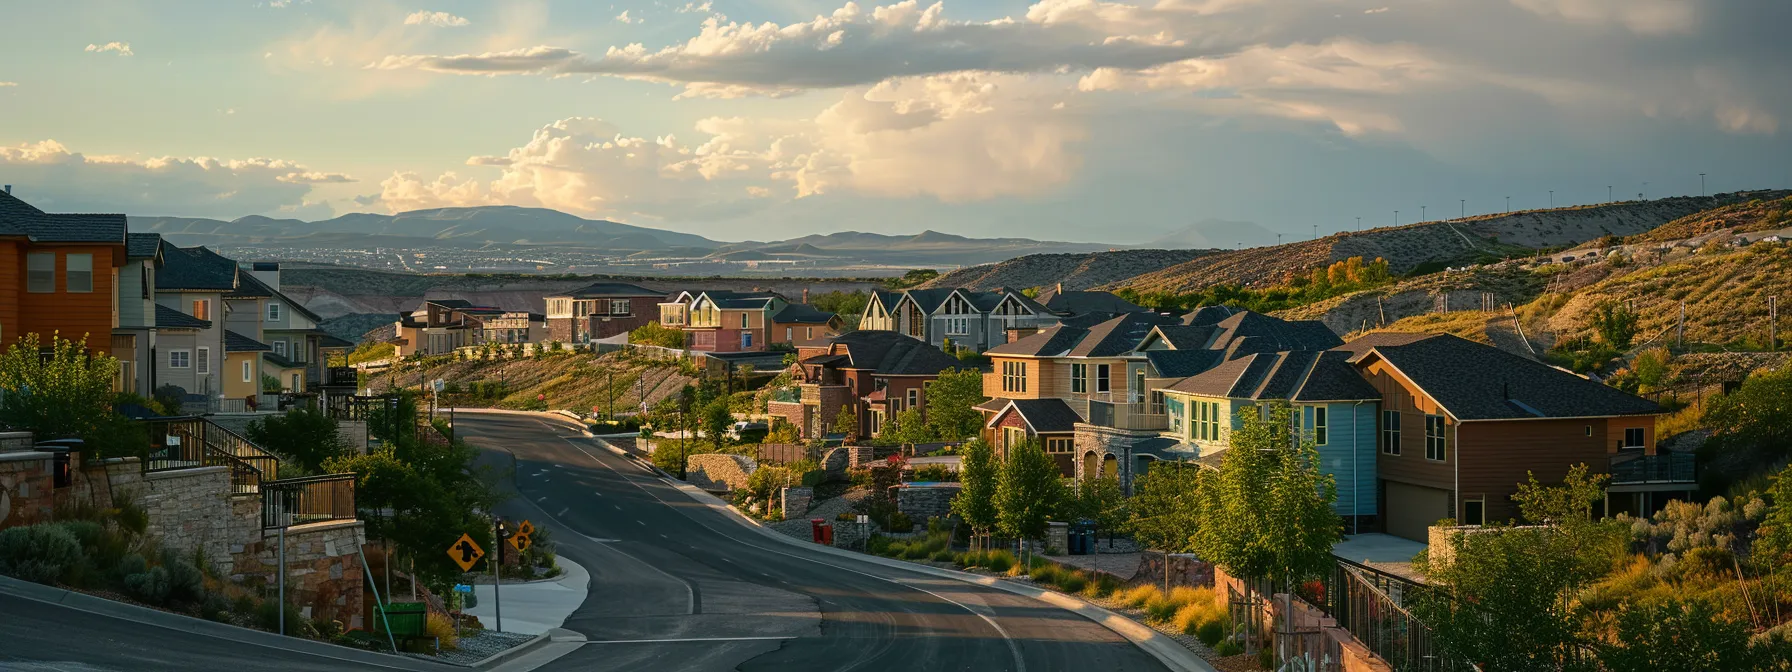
<point x="908" y="427"/>
<point x="1773" y="542"/>
<point x="1102" y="501"/>
<point x="1651" y="368"/>
<point x="1029" y="491"/>
<point x="304" y="437"/>
<point x="1165" y="507"/>
<point x="952" y="399"/>
<point x="1617" y="326"/>
<point x="1753" y="416"/>
<point x="58" y="391"/>
<point x="1501" y="601"/>
<point x="1570" y="502"/>
<point x="716" y="421"/>
<point x="1270" y="507"/>
<point x="978" y="473"/>
<point x="847" y="422"/>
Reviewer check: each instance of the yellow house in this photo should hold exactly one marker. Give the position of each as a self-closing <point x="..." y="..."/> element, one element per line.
<point x="242" y="365"/>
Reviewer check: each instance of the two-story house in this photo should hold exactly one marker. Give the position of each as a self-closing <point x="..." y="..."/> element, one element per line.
<point x="515" y="326"/>
<point x="728" y="321"/>
<point x="59" y="274"/>
<point x="438" y="326"/>
<point x="192" y="282"/>
<point x="959" y="318"/>
<point x="601" y="310"/>
<point x="296" y="341"/>
<point x="134" y="341"/>
<point x="1336" y="409"/>
<point x="873" y="375"/>
<point x="1462" y="424"/>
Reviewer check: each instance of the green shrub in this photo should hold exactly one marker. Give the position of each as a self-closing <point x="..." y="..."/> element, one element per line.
<point x="943" y="555"/>
<point x="267" y="615"/>
<point x="215" y="608"/>
<point x="1266" y="659"/>
<point x="150" y="587"/>
<point x="998" y="560"/>
<point x="39" y="553"/>
<point x="1137" y="596"/>
<point x="878" y="545"/>
<point x="1211" y="632"/>
<point x="1101" y="585"/>
<point x="1071" y="582"/>
<point x="1043" y="573"/>
<point x="186" y="583"/>
<point x="915" y="552"/>
<point x="1227" y="648"/>
<point x="899" y="522"/>
<point x="935" y="473"/>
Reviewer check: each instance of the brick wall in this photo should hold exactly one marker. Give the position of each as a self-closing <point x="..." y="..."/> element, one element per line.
<point x="716" y="472"/>
<point x="26" y="493"/>
<point x="792" y="412"/>
<point x="859" y="456"/>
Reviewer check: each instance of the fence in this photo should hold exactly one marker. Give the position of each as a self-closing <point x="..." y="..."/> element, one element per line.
<point x="1370" y="605"/>
<point x="311" y="499"/>
<point x="1664" y="467"/>
<point x="783" y="453"/>
<point x="188" y="443"/>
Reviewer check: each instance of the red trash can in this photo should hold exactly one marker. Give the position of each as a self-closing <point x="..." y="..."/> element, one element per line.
<point x="827" y="534"/>
<point x="815" y="525"/>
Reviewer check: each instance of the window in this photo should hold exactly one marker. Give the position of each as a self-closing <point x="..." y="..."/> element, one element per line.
<point x="621" y="307"/>
<point x="958" y="326"/>
<point x="1474" y="511"/>
<point x="1079" y="378"/>
<point x="1319" y="425"/>
<point x="295" y="382"/>
<point x="202" y="309"/>
<point x="1207" y="420"/>
<point x="1014" y="376"/>
<point x="280" y="348"/>
<point x="1390" y="432"/>
<point x="914" y="397"/>
<point x="1173" y="407"/>
<point x="1102" y="385"/>
<point x="1589" y="430"/>
<point x="180" y="359"/>
<point x="1633" y="437"/>
<point x="746" y="339"/>
<point x="1063" y="445"/>
<point x="809" y="333"/>
<point x="202" y="361"/>
<point x="1013" y="436"/>
<point x="1137" y="393"/>
<point x="1435" y="444"/>
<point x="789" y="334"/>
<point x="80" y="272"/>
<point x="248" y="372"/>
<point x="273" y="312"/>
<point x="744" y="317"/>
<point x="40" y="272"/>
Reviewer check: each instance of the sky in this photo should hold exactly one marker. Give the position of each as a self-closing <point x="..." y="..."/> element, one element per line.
<point x="1078" y="120"/>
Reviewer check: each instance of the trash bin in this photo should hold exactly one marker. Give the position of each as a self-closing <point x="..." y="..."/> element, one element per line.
<point x="406" y="619"/>
<point x="827" y="534"/>
<point x="815" y="525"/>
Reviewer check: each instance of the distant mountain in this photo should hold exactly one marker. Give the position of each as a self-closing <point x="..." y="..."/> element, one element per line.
<point x="1215" y="234"/>
<point x="499" y="224"/>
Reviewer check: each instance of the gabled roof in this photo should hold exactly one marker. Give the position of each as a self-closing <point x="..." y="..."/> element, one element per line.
<point x="331" y="342"/>
<point x="235" y="342"/>
<point x="1183" y="337"/>
<point x="1332" y="378"/>
<point x="1077" y="302"/>
<point x="610" y="290"/>
<point x="1361" y="345"/>
<point x="928" y="300"/>
<point x="1052" y="342"/>
<point x="1118" y="336"/>
<point x="143" y="245"/>
<point x="454" y="304"/>
<point x="891" y="354"/>
<point x="802" y="313"/>
<point x="250" y="287"/>
<point x="1301" y="375"/>
<point x="1236" y="379"/>
<point x="1275" y="333"/>
<point x="169" y="318"/>
<point x="195" y="268"/>
<point x="1043" y="416"/>
<point x="280" y="361"/>
<point x="1181" y="363"/>
<point x="1208" y="315"/>
<point x="1472" y="381"/>
<point x="18" y="218"/>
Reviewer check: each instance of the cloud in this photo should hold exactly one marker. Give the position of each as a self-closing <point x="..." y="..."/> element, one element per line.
<point x="123" y="48"/>
<point x="1641" y="16"/>
<point x="695" y="8"/>
<point x="1376" y="10"/>
<point x="53" y="177"/>
<point x="624" y="18"/>
<point x="437" y="19"/>
<point x="310" y="177"/>
<point x="6" y="84"/>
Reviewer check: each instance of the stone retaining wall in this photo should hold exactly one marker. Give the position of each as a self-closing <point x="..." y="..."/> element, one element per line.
<point x="27" y="492"/>
<point x="796" y="501"/>
<point x="836" y="462"/>
<point x="1185" y="570"/>
<point x="718" y="472"/>
<point x="859" y="456"/>
<point x="922" y="503"/>
<point x="323" y="571"/>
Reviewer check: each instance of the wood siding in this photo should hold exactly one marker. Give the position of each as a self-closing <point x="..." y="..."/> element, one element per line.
<point x="1498" y="455"/>
<point x="1410" y="466"/>
<point x="77" y="315"/>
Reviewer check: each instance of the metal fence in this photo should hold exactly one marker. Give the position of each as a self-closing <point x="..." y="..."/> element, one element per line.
<point x="1666" y="467"/>
<point x="188" y="443"/>
<point x="1370" y="604"/>
<point x="310" y="499"/>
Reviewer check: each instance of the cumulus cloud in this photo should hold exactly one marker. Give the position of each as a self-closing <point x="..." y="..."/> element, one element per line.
<point x="54" y="177"/>
<point x="312" y="177"/>
<point x="122" y="48"/>
<point x="696" y="8"/>
<point x="5" y="84"/>
<point x="437" y="19"/>
<point x="624" y="18"/>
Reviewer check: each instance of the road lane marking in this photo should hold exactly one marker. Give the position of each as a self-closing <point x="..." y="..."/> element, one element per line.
<point x="693" y="639"/>
<point x="562" y="512"/>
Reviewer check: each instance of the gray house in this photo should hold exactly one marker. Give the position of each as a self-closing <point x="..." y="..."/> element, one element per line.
<point x="192" y="282"/>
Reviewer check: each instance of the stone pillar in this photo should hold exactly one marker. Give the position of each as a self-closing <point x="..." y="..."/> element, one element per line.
<point x="796" y="501"/>
<point x="860" y="456"/>
<point x="1057" y="537"/>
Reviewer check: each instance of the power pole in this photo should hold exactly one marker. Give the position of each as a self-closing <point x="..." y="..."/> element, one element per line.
<point x="1773" y="323"/>
<point x="1359" y="224"/>
<point x="1508" y="205"/>
<point x="1463" y="213"/>
<point x="1701" y="184"/>
<point x="1680" y="330"/>
<point x="1315" y="232"/>
<point x="1396" y="218"/>
<point x="1421" y="213"/>
<point x="1552" y="198"/>
<point x="1608" y="193"/>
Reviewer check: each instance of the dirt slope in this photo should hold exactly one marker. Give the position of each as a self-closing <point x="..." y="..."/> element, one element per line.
<point x="1076" y="271"/>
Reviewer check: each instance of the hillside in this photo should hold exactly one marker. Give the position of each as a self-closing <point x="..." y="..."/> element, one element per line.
<point x="1772" y="210"/>
<point x="1725" y="295"/>
<point x="1425" y="244"/>
<point x="577" y="381"/>
<point x="1076" y="271"/>
<point x="466" y="226"/>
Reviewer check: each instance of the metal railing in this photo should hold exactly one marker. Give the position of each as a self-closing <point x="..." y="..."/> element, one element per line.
<point x="341" y="376"/>
<point x="310" y="499"/>
<point x="1134" y="416"/>
<point x="187" y="443"/>
<point x="1634" y="468"/>
<point x="1370" y="605"/>
<point x="235" y="445"/>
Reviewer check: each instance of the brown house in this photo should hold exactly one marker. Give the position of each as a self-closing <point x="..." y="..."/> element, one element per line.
<point x="874" y="375"/>
<point x="601" y="310"/>
<point x="1462" y="424"/>
<point x="59" y="273"/>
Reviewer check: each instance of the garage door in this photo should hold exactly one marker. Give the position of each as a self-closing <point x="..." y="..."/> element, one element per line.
<point x="1412" y="509"/>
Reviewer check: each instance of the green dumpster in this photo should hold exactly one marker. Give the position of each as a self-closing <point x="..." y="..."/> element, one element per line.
<point x="405" y="618"/>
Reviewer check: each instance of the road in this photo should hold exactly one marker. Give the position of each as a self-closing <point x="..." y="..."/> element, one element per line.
<point x="677" y="586"/>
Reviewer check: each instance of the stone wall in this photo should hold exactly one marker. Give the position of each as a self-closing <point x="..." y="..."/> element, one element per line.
<point x="717" y="472"/>
<point x="850" y="534"/>
<point x="353" y="433"/>
<point x="922" y="503"/>
<point x="1185" y="570"/>
<point x="792" y="412"/>
<point x="859" y="456"/>
<point x="836" y="463"/>
<point x="796" y="501"/>
<point x="1103" y="441"/>
<point x="189" y="509"/>
<point x="11" y="441"/>
<point x="27" y="492"/>
<point x="323" y="570"/>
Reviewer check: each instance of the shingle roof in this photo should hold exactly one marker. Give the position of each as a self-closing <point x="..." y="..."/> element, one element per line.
<point x="1280" y="334"/>
<point x="1472" y="381"/>
<point x="1183" y="337"/>
<point x="280" y="361"/>
<point x="1206" y="315"/>
<point x="18" y="218"/>
<point x="450" y="303"/>
<point x="1045" y="416"/>
<point x="611" y="290"/>
<point x="249" y="286"/>
<point x="928" y="299"/>
<point x="195" y="268"/>
<point x="802" y="313"/>
<point x="142" y="245"/>
<point x="332" y="341"/>
<point x="891" y="353"/>
<point x="1332" y="378"/>
<point x="1181" y="363"/>
<point x="1051" y="342"/>
<point x="1118" y="336"/>
<point x="1076" y="303"/>
<point x="235" y="342"/>
<point x="169" y="318"/>
<point x="1361" y="345"/>
<point x="1300" y="375"/>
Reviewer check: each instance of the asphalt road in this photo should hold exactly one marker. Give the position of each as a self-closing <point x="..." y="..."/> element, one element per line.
<point x="676" y="586"/>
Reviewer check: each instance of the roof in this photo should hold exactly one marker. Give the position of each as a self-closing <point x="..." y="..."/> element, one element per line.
<point x="195" y="268"/>
<point x="802" y="313"/>
<point x="331" y="341"/>
<point x="449" y="303"/>
<point x="142" y="245"/>
<point x="1301" y="375"/>
<point x="1472" y="381"/>
<point x="18" y="218"/>
<point x="235" y="342"/>
<point x="892" y="354"/>
<point x="1117" y="336"/>
<point x="1207" y="315"/>
<point x="617" y="290"/>
<point x="1076" y="303"/>
<point x="1183" y="337"/>
<point x="1051" y="342"/>
<point x="169" y="318"/>
<point x="1181" y="363"/>
<point x="280" y="361"/>
<point x="1044" y="416"/>
<point x="249" y="286"/>
<point x="1274" y="333"/>
<point x="928" y="299"/>
<point x="1361" y="345"/>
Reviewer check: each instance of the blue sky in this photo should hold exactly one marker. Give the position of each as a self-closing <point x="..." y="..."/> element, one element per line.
<point x="1062" y="119"/>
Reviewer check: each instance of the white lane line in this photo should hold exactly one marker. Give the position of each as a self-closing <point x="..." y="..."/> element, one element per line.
<point x="618" y="507"/>
<point x="562" y="512"/>
<point x="641" y="523"/>
<point x="541" y="499"/>
<point x="693" y="639"/>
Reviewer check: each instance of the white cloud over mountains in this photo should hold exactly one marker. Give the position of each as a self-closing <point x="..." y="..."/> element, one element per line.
<point x="120" y="48"/>
<point x="56" y="178"/>
<point x="437" y="19"/>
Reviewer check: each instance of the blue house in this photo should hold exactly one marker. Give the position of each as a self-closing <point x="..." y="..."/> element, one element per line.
<point x="1336" y="406"/>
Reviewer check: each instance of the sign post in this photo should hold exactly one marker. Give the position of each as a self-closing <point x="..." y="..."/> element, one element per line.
<point x="503" y="534"/>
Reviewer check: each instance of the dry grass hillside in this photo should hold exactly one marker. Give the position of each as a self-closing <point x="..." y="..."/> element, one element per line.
<point x="1725" y="293"/>
<point x="1434" y="243"/>
<point x="1766" y="212"/>
<point x="1390" y="308"/>
<point x="577" y="381"/>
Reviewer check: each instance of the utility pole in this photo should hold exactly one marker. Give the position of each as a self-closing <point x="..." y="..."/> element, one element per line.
<point x="1359" y="224"/>
<point x="1508" y="205"/>
<point x="1463" y="211"/>
<point x="1701" y="184"/>
<point x="1396" y="218"/>
<point x="1680" y="329"/>
<point x="1608" y="193"/>
<point x="1552" y="198"/>
<point x="1773" y="324"/>
<point x="1315" y="232"/>
<point x="1278" y="239"/>
<point x="1421" y="213"/>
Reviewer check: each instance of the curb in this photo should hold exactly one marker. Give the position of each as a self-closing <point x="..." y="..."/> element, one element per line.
<point x="1167" y="651"/>
<point x="534" y="643"/>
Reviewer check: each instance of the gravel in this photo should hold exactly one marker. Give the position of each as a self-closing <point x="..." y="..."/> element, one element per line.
<point x="478" y="646"/>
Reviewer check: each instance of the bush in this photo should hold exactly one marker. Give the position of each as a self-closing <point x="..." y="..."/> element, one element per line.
<point x="267" y="615"/>
<point x="1227" y="648"/>
<point x="1043" y="574"/>
<point x="998" y="560"/>
<point x="878" y="545"/>
<point x="39" y="553"/>
<point x="1072" y="581"/>
<point x="1101" y="585"/>
<point x="943" y="555"/>
<point x="441" y="627"/>
<point x="215" y="608"/>
<point x="935" y="473"/>
<point x="1266" y="659"/>
<point x="149" y="587"/>
<point x="899" y="522"/>
<point x="1211" y="632"/>
<point x="1137" y="596"/>
<point x="186" y="583"/>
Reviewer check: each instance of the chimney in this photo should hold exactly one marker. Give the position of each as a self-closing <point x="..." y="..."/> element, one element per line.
<point x="268" y="272"/>
<point x="9" y="190"/>
<point x="805" y="295"/>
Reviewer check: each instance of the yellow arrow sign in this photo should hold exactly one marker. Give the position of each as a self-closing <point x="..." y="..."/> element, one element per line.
<point x="464" y="552"/>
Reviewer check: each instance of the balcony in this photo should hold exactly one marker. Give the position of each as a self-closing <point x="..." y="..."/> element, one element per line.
<point x="1138" y="416"/>
<point x="1632" y="468"/>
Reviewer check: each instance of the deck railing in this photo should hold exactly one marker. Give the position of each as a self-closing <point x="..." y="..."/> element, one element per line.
<point x="1370" y="604"/>
<point x="1634" y="469"/>
<point x="305" y="500"/>
<point x="190" y="442"/>
<point x="1133" y="416"/>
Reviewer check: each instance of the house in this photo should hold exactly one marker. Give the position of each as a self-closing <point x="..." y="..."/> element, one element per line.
<point x="295" y="336"/>
<point x="800" y="324"/>
<point x="516" y="326"/>
<point x="60" y="275"/>
<point x="1062" y="302"/>
<point x="243" y="366"/>
<point x="134" y="341"/>
<point x="725" y="321"/>
<point x="193" y="282"/>
<point x="872" y="375"/>
<point x="438" y="326"/>
<point x="1335" y="406"/>
<point x="880" y="311"/>
<point x="1462" y="424"/>
<point x="599" y="311"/>
<point x="981" y="320"/>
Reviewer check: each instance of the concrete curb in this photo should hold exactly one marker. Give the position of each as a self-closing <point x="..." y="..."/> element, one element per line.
<point x="180" y="623"/>
<point x="526" y="647"/>
<point x="1167" y="651"/>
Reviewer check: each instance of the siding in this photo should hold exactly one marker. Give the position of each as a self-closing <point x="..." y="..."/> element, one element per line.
<point x="1349" y="454"/>
<point x="1498" y="455"/>
<point x="1410" y="466"/>
<point x="77" y="315"/>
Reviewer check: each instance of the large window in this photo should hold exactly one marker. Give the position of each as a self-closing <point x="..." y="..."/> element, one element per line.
<point x="1436" y="445"/>
<point x="1057" y="445"/>
<point x="1207" y="420"/>
<point x="1079" y="378"/>
<point x="1390" y="432"/>
<point x="958" y="326"/>
<point x="1014" y="376"/>
<point x="1013" y="436"/>
<point x="202" y="309"/>
<point x="1633" y="437"/>
<point x="80" y="272"/>
<point x="180" y="359"/>
<point x="1102" y="384"/>
<point x="40" y="272"/>
<point x="621" y="307"/>
<point x="1319" y="425"/>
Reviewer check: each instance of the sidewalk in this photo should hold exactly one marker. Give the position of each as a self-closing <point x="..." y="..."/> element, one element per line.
<point x="536" y="607"/>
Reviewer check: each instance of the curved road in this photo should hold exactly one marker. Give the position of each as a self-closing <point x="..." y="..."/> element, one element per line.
<point x="677" y="586"/>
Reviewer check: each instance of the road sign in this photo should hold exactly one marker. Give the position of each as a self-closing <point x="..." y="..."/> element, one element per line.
<point x="462" y="588"/>
<point x="526" y="529"/>
<point x="436" y="385"/>
<point x="521" y="541"/>
<point x="465" y="552"/>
